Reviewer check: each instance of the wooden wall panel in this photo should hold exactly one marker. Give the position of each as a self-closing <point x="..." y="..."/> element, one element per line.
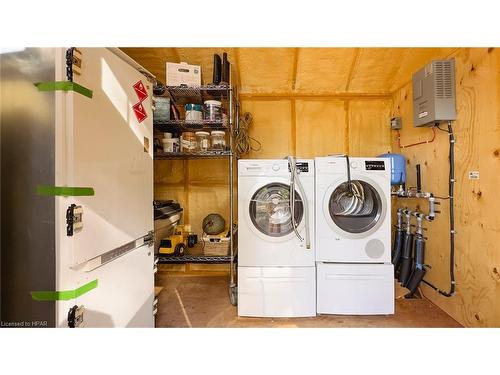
<point x="320" y="127"/>
<point x="477" y="302"/>
<point x="204" y="200"/>
<point x="271" y="126"/>
<point x="208" y="190"/>
<point x="368" y="133"/>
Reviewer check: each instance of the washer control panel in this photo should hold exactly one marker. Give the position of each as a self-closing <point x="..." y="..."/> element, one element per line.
<point x="302" y="166"/>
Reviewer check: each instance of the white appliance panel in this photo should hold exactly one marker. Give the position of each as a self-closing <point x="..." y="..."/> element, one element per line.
<point x="276" y="291"/>
<point x="355" y="289"/>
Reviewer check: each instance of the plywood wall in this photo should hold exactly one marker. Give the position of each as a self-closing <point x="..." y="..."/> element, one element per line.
<point x="319" y="127"/>
<point x="477" y="301"/>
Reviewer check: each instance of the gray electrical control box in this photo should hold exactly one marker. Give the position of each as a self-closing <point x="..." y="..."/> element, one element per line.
<point x="434" y="93"/>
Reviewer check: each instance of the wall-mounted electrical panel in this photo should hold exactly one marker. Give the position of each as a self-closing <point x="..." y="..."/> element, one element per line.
<point x="434" y="93"/>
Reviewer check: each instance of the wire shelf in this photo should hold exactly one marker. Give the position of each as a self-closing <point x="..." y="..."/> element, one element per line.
<point x="192" y="155"/>
<point x="194" y="259"/>
<point x="198" y="94"/>
<point x="166" y="125"/>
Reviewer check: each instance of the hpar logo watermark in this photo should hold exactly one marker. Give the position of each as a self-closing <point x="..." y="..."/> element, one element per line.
<point x="24" y="323"/>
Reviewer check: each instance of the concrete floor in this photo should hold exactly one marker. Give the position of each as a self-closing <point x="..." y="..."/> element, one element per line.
<point x="203" y="301"/>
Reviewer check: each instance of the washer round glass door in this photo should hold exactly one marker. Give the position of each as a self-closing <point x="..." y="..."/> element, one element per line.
<point x="355" y="208"/>
<point x="270" y="211"/>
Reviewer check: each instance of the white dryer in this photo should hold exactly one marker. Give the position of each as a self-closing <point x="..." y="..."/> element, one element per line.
<point x="353" y="236"/>
<point x="276" y="268"/>
<point x="353" y="227"/>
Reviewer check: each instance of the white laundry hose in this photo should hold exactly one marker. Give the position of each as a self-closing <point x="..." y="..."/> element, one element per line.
<point x="295" y="180"/>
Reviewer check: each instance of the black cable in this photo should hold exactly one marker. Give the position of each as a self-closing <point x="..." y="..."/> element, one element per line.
<point x="452" y="218"/>
<point x="438" y="128"/>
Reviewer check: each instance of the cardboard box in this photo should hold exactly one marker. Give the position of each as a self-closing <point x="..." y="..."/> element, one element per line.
<point x="183" y="74"/>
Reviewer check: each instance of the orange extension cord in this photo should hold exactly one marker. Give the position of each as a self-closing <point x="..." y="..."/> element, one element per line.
<point x="418" y="143"/>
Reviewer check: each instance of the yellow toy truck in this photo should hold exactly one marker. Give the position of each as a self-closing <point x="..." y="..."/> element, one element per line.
<point x="175" y="244"/>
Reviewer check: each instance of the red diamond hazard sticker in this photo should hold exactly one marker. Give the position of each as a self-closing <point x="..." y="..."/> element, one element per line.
<point x="140" y="112"/>
<point x="140" y="90"/>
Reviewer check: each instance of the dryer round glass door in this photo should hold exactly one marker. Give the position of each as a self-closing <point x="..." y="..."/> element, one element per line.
<point x="270" y="210"/>
<point x="355" y="208"/>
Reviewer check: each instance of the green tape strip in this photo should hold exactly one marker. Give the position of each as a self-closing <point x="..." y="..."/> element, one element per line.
<point x="65" y="191"/>
<point x="64" y="86"/>
<point x="65" y="294"/>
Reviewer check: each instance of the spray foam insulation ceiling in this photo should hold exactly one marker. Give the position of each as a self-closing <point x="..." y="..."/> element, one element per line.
<point x="301" y="71"/>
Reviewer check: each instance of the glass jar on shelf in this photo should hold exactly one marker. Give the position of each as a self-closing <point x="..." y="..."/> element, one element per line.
<point x="188" y="142"/>
<point x="202" y="140"/>
<point x="218" y="138"/>
<point x="212" y="110"/>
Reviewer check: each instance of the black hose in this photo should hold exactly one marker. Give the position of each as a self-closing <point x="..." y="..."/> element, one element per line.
<point x="452" y="219"/>
<point x="396" y="250"/>
<point x="406" y="259"/>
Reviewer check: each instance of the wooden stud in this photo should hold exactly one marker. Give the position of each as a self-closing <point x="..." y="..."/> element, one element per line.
<point x="352" y="70"/>
<point x="346" y="124"/>
<point x="237" y="64"/>
<point x="312" y="96"/>
<point x="295" y="65"/>
<point x="293" y="128"/>
<point x="176" y="54"/>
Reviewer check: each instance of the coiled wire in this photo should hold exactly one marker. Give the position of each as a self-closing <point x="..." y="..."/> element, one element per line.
<point x="243" y="140"/>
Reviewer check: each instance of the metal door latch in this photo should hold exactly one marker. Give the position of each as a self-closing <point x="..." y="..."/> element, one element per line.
<point x="74" y="221"/>
<point x="155" y="306"/>
<point x="73" y="63"/>
<point x="149" y="238"/>
<point x="75" y="316"/>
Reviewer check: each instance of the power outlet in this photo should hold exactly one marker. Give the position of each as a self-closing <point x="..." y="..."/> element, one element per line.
<point x="396" y="123"/>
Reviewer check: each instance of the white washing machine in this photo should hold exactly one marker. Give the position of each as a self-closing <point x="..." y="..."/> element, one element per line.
<point x="353" y="236"/>
<point x="276" y="268"/>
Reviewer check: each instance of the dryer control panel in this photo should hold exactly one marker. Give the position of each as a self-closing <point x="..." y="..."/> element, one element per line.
<point x="374" y="165"/>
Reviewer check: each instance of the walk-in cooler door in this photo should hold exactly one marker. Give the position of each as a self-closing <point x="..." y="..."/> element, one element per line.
<point x="105" y="145"/>
<point x="109" y="149"/>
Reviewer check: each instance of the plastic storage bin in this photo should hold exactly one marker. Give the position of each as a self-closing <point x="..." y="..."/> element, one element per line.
<point x="162" y="109"/>
<point x="193" y="112"/>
